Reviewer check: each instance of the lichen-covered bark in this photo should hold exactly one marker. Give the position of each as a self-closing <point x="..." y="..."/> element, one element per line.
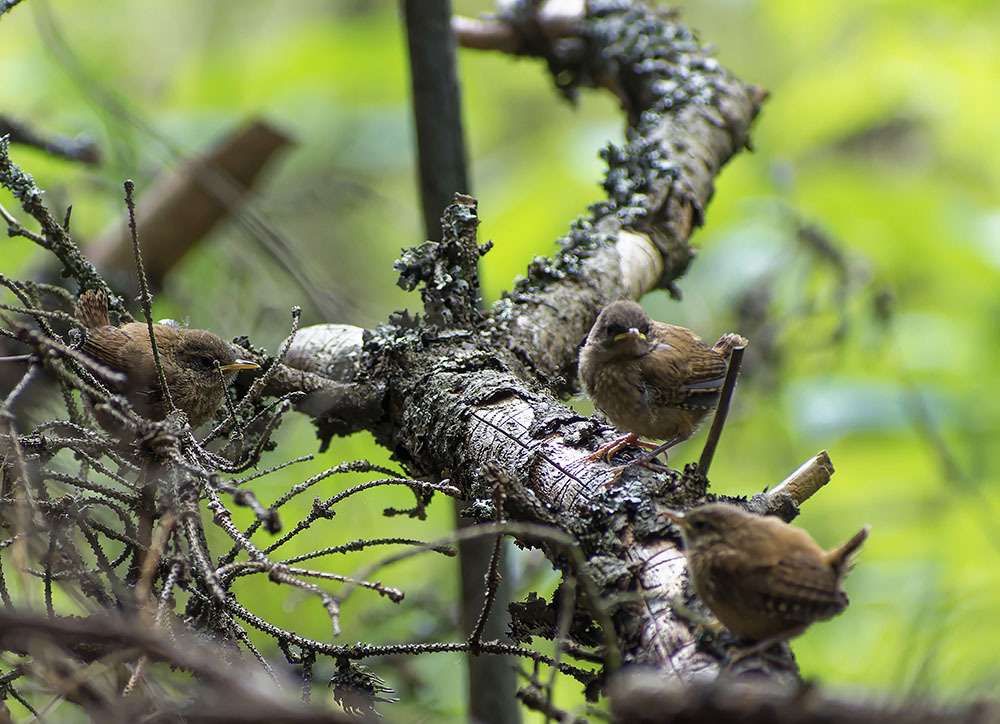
<point x="457" y="406"/>
<point x="466" y="393"/>
<point x="687" y="117"/>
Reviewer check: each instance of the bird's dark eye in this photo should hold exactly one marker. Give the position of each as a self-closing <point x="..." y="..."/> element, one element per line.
<point x="207" y="362"/>
<point x="699" y="525"/>
<point x="615" y="329"/>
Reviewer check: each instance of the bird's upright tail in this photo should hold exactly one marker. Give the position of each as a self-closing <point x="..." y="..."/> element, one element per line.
<point x="92" y="309"/>
<point x="728" y="342"/>
<point x="842" y="557"/>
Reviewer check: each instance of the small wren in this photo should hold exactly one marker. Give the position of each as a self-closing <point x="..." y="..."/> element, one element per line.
<point x="649" y="378"/>
<point x="196" y="363"/>
<point x="765" y="580"/>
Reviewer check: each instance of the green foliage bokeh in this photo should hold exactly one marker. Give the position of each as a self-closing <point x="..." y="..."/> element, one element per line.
<point x="879" y="131"/>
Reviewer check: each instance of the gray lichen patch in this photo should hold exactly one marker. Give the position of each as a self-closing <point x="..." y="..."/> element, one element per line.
<point x="447" y="270"/>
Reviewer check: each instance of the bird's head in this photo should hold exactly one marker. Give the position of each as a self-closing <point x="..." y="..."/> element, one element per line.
<point x="621" y="329"/>
<point x="204" y="352"/>
<point x="707" y="525"/>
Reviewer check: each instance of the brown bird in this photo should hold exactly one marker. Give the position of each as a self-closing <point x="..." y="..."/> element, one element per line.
<point x="765" y="580"/>
<point x="650" y="378"/>
<point x="196" y="363"/>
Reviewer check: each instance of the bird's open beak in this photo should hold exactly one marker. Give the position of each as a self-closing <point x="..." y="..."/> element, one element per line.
<point x="240" y="364"/>
<point x="676" y="516"/>
<point x="633" y="333"/>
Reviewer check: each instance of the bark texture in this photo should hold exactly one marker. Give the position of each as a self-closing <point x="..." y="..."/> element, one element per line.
<point x="474" y="396"/>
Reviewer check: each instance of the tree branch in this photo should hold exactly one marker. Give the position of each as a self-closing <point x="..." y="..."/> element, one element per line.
<point x="183" y="206"/>
<point x="462" y="389"/>
<point x="82" y="148"/>
<point x="645" y="697"/>
<point x="687" y="116"/>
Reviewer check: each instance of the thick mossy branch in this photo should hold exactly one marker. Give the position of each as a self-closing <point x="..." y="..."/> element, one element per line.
<point x="687" y="116"/>
<point x="458" y="405"/>
<point x="465" y="391"/>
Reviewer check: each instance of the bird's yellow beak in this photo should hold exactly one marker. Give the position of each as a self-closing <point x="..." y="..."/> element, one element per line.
<point x="676" y="516"/>
<point x="240" y="364"/>
<point x="633" y="333"/>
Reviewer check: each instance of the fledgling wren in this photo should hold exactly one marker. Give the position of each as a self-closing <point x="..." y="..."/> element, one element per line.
<point x="765" y="580"/>
<point x="649" y="378"/>
<point x="197" y="364"/>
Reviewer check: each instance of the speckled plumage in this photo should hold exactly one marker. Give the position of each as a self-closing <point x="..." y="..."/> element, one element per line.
<point x="191" y="360"/>
<point x="764" y="579"/>
<point x="650" y="378"/>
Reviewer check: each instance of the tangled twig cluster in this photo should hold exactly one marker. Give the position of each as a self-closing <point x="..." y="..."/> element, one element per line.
<point x="490" y="423"/>
<point x="98" y="521"/>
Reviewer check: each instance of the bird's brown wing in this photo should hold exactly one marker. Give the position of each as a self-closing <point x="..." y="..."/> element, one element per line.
<point x="685" y="370"/>
<point x="105" y="345"/>
<point x="763" y="601"/>
<point x="802" y="588"/>
<point x="111" y="346"/>
<point x="706" y="370"/>
<point x="797" y="588"/>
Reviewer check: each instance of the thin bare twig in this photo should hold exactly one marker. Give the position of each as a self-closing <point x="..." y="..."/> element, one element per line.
<point x="735" y="359"/>
<point x="492" y="585"/>
<point x="145" y="297"/>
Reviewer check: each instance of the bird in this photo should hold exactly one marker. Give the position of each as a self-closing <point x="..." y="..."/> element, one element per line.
<point x="649" y="378"/>
<point x="197" y="364"/>
<point x="765" y="580"/>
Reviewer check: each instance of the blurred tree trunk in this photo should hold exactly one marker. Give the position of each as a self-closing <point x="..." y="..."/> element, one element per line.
<point x="443" y="173"/>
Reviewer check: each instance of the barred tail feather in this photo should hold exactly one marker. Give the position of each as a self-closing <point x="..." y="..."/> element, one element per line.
<point x="92" y="309"/>
<point x="842" y="557"/>
<point x="728" y="342"/>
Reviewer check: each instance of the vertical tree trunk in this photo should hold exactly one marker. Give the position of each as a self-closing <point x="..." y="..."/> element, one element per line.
<point x="443" y="173"/>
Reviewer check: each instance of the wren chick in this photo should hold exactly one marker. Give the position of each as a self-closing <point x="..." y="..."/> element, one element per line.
<point x="196" y="363"/>
<point x="649" y="378"/>
<point x="765" y="580"/>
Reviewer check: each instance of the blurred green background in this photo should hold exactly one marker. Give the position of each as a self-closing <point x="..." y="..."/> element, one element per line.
<point x="858" y="247"/>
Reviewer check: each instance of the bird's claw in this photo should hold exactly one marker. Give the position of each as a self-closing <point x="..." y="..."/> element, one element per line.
<point x="606" y="452"/>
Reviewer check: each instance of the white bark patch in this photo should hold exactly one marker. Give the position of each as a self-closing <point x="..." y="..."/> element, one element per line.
<point x="640" y="261"/>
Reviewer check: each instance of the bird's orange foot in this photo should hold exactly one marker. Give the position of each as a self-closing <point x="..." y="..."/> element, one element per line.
<point x="606" y="452"/>
<point x="647" y="460"/>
